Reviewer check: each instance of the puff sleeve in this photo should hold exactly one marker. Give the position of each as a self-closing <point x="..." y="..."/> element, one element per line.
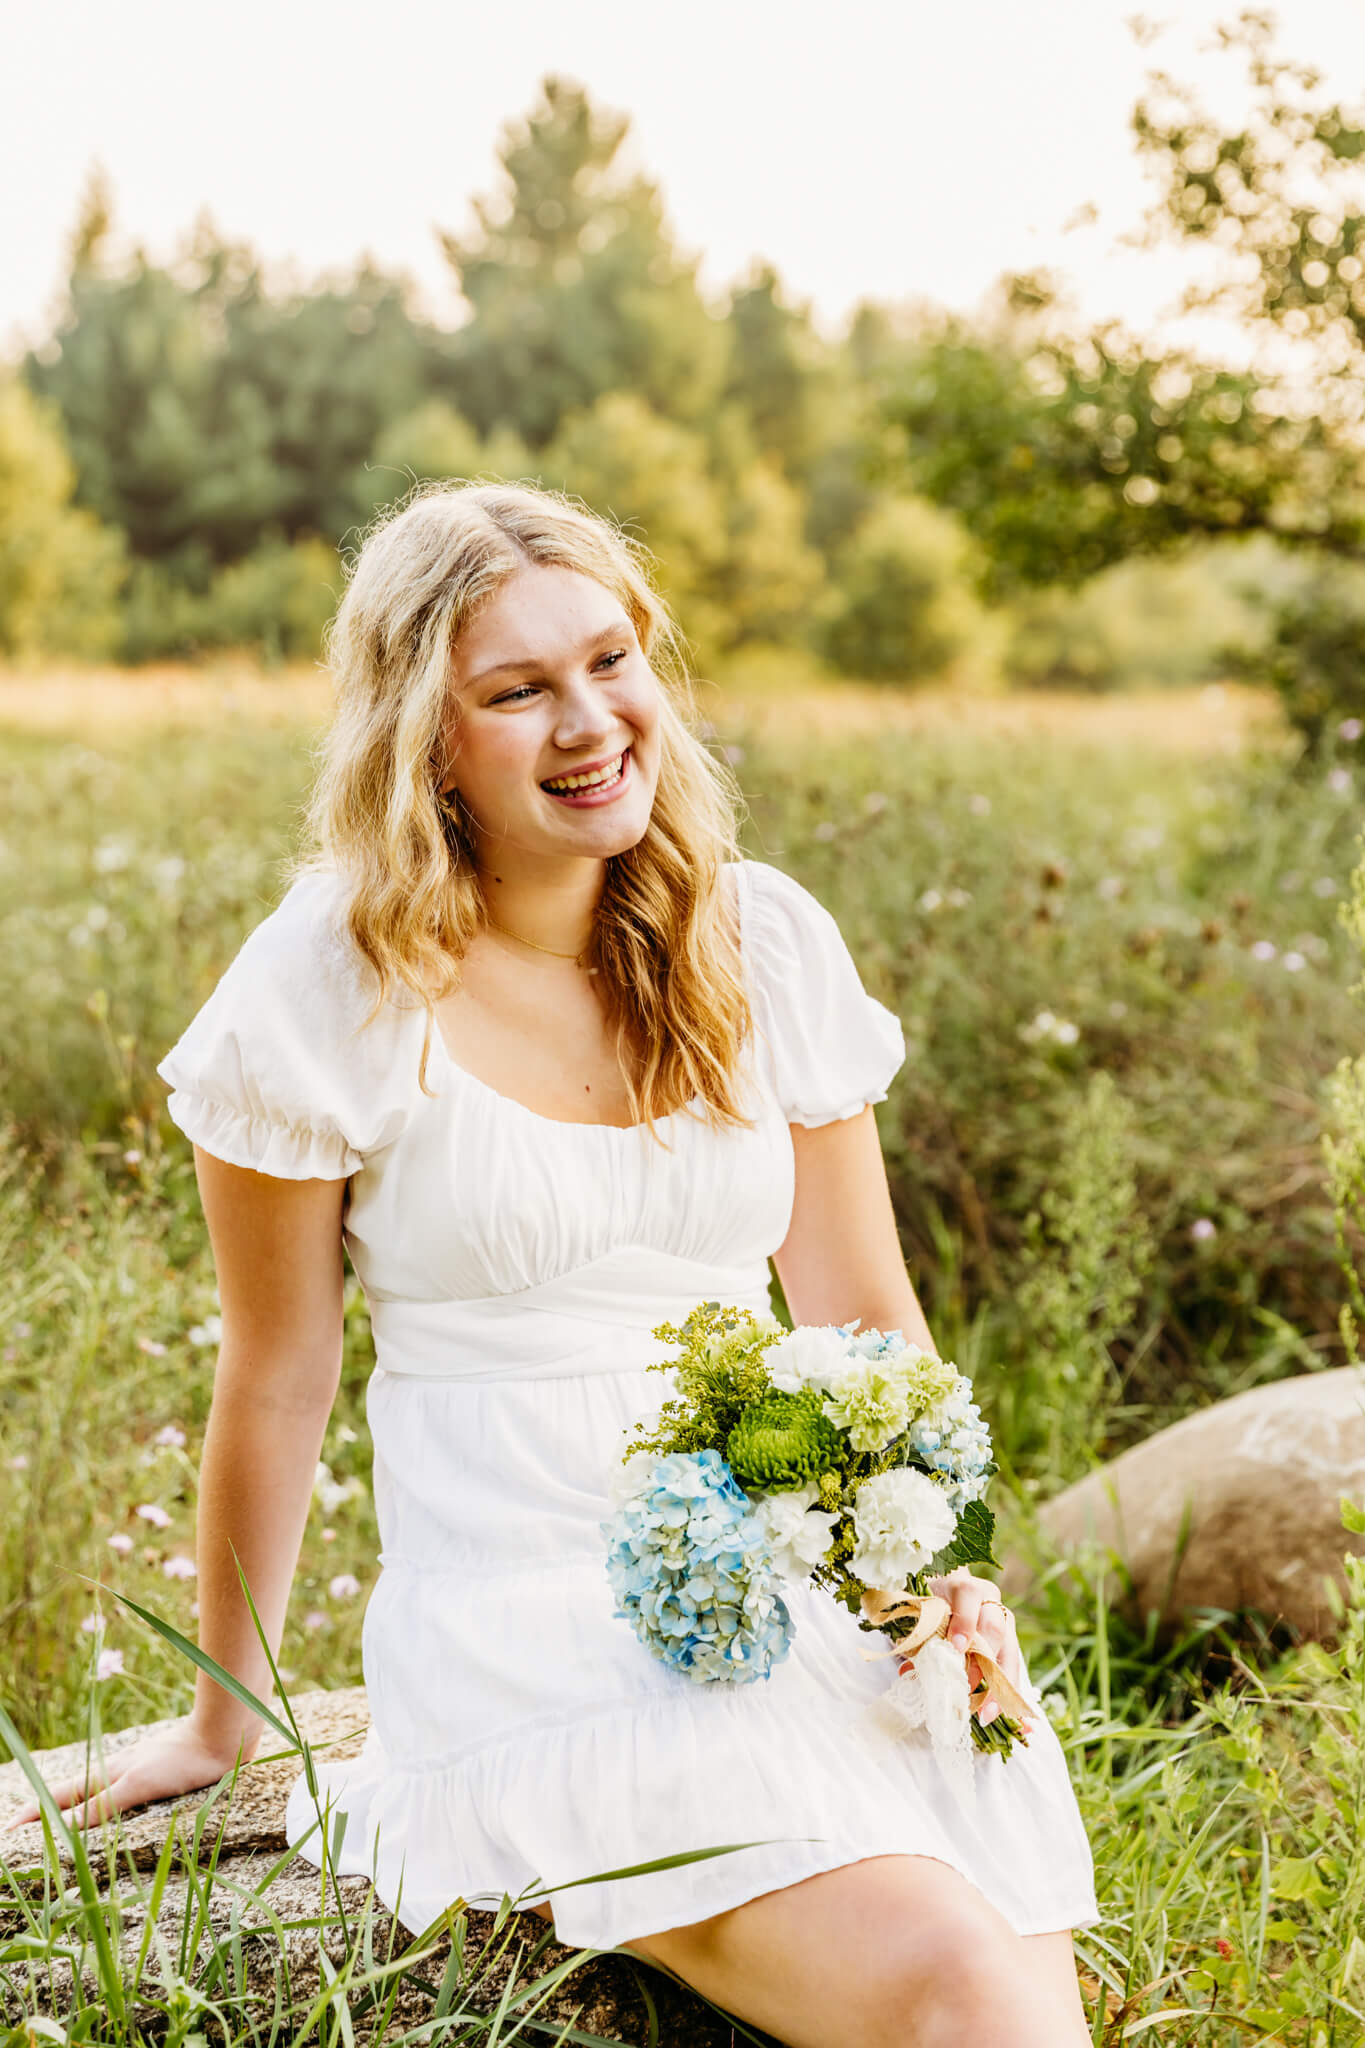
<point x="833" y="1048"/>
<point x="275" y="1072"/>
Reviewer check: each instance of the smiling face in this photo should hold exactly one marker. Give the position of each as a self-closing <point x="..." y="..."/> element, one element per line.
<point x="549" y="681"/>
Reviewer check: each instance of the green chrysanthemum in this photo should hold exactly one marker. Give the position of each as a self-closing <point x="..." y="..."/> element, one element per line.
<point x="782" y="1441"/>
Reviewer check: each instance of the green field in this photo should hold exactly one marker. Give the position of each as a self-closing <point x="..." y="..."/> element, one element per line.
<point x="1113" y="937"/>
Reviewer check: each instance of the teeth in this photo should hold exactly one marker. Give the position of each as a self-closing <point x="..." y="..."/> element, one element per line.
<point x="607" y="774"/>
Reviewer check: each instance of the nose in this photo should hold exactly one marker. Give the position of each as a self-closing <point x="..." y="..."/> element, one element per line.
<point x="585" y="716"/>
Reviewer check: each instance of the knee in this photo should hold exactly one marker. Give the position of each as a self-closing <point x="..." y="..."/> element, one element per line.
<point x="959" y="1976"/>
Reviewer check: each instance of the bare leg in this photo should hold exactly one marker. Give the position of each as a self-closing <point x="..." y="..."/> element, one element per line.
<point x="893" y="1952"/>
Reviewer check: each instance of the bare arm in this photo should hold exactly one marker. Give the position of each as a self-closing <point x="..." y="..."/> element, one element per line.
<point x="277" y="1250"/>
<point x="841" y="1256"/>
<point x="278" y="1253"/>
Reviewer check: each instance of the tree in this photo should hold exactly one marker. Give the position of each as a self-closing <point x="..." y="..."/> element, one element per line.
<point x="206" y="413"/>
<point x="574" y="284"/>
<point x="60" y="570"/>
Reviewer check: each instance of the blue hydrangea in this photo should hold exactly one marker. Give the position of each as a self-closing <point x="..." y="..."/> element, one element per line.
<point x="872" y="1343"/>
<point x="954" y="1440"/>
<point x="693" y="1572"/>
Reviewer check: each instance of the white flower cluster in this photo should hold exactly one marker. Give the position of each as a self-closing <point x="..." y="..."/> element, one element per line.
<point x="872" y="1388"/>
<point x="901" y="1519"/>
<point x="798" y="1532"/>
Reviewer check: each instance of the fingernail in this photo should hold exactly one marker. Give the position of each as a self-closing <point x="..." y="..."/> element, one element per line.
<point x="988" y="1713"/>
<point x="959" y="1641"/>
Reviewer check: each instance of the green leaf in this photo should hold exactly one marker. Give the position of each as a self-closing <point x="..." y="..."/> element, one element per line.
<point x="972" y="1543"/>
<point x="1352" y="1516"/>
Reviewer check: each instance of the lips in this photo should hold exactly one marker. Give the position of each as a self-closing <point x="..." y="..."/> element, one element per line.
<point x="590" y="796"/>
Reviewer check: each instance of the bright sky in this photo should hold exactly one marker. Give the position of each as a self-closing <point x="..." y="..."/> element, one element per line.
<point x="879" y="148"/>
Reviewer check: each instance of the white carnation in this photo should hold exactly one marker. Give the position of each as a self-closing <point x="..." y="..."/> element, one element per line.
<point x="901" y="1519"/>
<point x="808" y="1356"/>
<point x="799" y="1534"/>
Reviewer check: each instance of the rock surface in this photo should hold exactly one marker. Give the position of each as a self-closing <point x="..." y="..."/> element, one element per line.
<point x="608" y="1996"/>
<point x="1259" y="1479"/>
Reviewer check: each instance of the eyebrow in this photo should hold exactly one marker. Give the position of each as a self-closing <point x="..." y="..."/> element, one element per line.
<point x="611" y="631"/>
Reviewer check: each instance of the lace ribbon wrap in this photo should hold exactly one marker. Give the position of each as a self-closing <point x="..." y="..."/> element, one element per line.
<point x="931" y="1693"/>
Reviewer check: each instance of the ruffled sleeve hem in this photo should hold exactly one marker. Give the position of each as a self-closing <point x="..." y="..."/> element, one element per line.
<point x="833" y="1048"/>
<point x="288" y="1151"/>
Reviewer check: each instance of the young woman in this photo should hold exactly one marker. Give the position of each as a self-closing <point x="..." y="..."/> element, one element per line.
<point x="532" y="1043"/>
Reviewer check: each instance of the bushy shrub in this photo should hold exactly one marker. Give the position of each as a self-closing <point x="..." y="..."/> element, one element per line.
<point x="276" y="601"/>
<point x="902" y="606"/>
<point x="60" y="569"/>
<point x="1315" y="652"/>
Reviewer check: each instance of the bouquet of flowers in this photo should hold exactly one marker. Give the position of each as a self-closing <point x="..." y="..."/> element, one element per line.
<point x="846" y="1457"/>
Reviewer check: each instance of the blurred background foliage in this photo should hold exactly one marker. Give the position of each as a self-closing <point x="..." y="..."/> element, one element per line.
<point x="1010" y="499"/>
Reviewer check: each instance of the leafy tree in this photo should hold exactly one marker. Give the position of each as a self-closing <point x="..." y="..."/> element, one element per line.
<point x="60" y="570"/>
<point x="206" y="413"/>
<point x="436" y="442"/>
<point x="575" y="286"/>
<point x="776" y="369"/>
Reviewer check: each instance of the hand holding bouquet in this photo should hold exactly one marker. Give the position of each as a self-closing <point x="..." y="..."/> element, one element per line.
<point x="849" y="1458"/>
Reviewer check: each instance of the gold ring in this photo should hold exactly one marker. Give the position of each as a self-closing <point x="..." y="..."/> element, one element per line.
<point x="993" y="1602"/>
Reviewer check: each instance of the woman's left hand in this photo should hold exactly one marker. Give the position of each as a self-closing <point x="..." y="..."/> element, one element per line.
<point x="979" y="1610"/>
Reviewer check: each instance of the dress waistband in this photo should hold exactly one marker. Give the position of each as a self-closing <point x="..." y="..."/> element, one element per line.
<point x="597" y="1318"/>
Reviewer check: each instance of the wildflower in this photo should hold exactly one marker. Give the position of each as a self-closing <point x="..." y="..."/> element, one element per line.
<point x="132" y="1157"/>
<point x="170" y="1435"/>
<point x="157" y="1516"/>
<point x="332" y="1493"/>
<point x="109" y="1665"/>
<point x="150" y="1346"/>
<point x="1118" y="1009"/>
<point x="797" y="1531"/>
<point x="210" y="1331"/>
<point x="96" y="917"/>
<point x="1222" y="1944"/>
<point x="902" y="1519"/>
<point x="733" y="754"/>
<point x="167" y="872"/>
<point x="931" y="900"/>
<point x="1350" y="729"/>
<point x="1203" y="1228"/>
<point x="978" y="805"/>
<point x="826" y="829"/>
<point x="959" y="898"/>
<point x="1109" y="887"/>
<point x="315" y="1619"/>
<point x="19" y="1462"/>
<point x="92" y="1624"/>
<point x="111" y="855"/>
<point x="693" y="1572"/>
<point x="1324" y="886"/>
<point x="23" y="1329"/>
<point x="1339" y="781"/>
<point x="1263" y="950"/>
<point x="180" y="1568"/>
<point x="874" y="803"/>
<point x="344" y="1586"/>
<point x="1045" y="1025"/>
<point x="347" y="1435"/>
<point x="121" y="1543"/>
<point x="1293" y="963"/>
<point x="329" y="1535"/>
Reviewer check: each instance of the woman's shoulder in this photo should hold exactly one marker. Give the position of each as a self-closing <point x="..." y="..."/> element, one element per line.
<point x="834" y="1047"/>
<point x="288" y="1066"/>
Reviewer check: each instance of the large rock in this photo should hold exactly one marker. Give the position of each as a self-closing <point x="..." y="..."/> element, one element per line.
<point x="607" y="1996"/>
<point x="1235" y="1507"/>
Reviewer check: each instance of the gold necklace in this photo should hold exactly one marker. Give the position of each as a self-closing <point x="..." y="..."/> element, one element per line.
<point x="577" y="958"/>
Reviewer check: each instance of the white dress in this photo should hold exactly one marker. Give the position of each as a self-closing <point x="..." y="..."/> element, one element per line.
<point x="514" y="1266"/>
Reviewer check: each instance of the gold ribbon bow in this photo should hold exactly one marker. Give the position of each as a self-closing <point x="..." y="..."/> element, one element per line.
<point x="932" y="1615"/>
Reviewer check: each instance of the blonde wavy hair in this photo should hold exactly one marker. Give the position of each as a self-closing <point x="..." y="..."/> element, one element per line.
<point x="666" y="942"/>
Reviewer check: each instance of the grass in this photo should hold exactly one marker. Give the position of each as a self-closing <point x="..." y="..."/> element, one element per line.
<point x="1164" y="878"/>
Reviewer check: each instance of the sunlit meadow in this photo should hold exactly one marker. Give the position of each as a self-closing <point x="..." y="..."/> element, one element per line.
<point x="1116" y="949"/>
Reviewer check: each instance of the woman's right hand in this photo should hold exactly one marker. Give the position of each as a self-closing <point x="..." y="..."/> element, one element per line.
<point x="162" y="1767"/>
